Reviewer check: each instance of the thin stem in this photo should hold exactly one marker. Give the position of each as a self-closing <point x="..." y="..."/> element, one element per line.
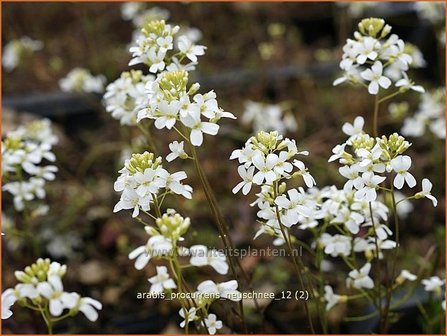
<point x="44" y="313"/>
<point x="393" y="267"/>
<point x="389" y="96"/>
<point x="295" y="262"/>
<point x="376" y="115"/>
<point x="378" y="270"/>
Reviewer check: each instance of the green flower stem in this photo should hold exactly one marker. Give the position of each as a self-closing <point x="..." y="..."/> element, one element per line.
<point x="46" y="318"/>
<point x="296" y="263"/>
<point x="389" y="96"/>
<point x="378" y="270"/>
<point x="394" y="261"/>
<point x="222" y="228"/>
<point x="376" y="115"/>
<point x="318" y="260"/>
<point x="157" y="206"/>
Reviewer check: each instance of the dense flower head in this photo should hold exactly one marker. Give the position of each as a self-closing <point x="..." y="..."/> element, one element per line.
<point x="430" y="115"/>
<point x="368" y="162"/>
<point x="125" y="95"/>
<point x="160" y="47"/>
<point x="82" y="80"/>
<point x="142" y="179"/>
<point x="267" y="160"/>
<point x="377" y="59"/>
<point x="171" y="101"/>
<point x="15" y="50"/>
<point x="40" y="285"/>
<point x="25" y="152"/>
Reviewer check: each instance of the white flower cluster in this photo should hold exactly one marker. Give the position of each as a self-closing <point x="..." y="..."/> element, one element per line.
<point x="431" y="114"/>
<point x="267" y="160"/>
<point x="159" y="47"/>
<point x="368" y="162"/>
<point x="268" y="117"/>
<point x="142" y="179"/>
<point x="81" y="80"/>
<point x="375" y="60"/>
<point x="24" y="154"/>
<point x="164" y="244"/>
<point x="139" y="15"/>
<point x="15" y="50"/>
<point x="170" y="100"/>
<point x="432" y="11"/>
<point x="40" y="287"/>
<point x="125" y="95"/>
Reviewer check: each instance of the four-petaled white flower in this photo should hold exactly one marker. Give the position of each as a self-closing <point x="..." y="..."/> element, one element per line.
<point x="212" y="324"/>
<point x="167" y="114"/>
<point x="227" y="290"/>
<point x="189" y="49"/>
<point x="247" y="180"/>
<point x="376" y="78"/>
<point x="177" y="150"/>
<point x="198" y="127"/>
<point x="53" y="290"/>
<point x="201" y="256"/>
<point x="360" y="278"/>
<point x="161" y="281"/>
<point x="188" y="316"/>
<point x="400" y="165"/>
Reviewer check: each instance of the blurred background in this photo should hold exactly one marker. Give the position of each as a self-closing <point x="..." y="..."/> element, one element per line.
<point x="281" y="54"/>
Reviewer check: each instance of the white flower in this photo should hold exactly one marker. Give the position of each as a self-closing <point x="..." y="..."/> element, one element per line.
<point x="161" y="281"/>
<point x="172" y="182"/>
<point x="375" y="77"/>
<point x="188" y="317"/>
<point x="200" y="256"/>
<point x="131" y="200"/>
<point x="367" y="49"/>
<point x="405" y="275"/>
<point x="198" y="127"/>
<point x="293" y="206"/>
<point x="14" y="51"/>
<point x="81" y="80"/>
<point x="353" y="130"/>
<point x="337" y="152"/>
<point x="247" y="177"/>
<point x="88" y="307"/>
<point x="302" y="170"/>
<point x="156" y="246"/>
<point x="400" y="165"/>
<point x="433" y="284"/>
<point x="167" y="114"/>
<point x="426" y="191"/>
<point x="360" y="278"/>
<point x="336" y="245"/>
<point x="227" y="290"/>
<point x="8" y="299"/>
<point x="212" y="324"/>
<point x="370" y="183"/>
<point x="59" y="300"/>
<point x="408" y="84"/>
<point x="177" y="150"/>
<point x="331" y="298"/>
<point x="189" y="49"/>
<point x="265" y="167"/>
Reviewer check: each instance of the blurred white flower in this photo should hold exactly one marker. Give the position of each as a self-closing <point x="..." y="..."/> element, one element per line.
<point x="15" y="50"/>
